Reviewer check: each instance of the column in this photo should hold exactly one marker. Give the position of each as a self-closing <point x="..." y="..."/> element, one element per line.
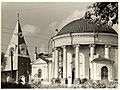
<point x="17" y="77"/>
<point x="29" y="82"/>
<point x="56" y="63"/>
<point x="92" y="51"/>
<point x="60" y="63"/>
<point x="107" y="47"/>
<point x="95" y="72"/>
<point x="77" y="78"/>
<point x="50" y="72"/>
<point x="53" y="63"/>
<point x="64" y="81"/>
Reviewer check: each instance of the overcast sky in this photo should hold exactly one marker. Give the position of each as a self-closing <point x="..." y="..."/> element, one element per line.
<point x="38" y="21"/>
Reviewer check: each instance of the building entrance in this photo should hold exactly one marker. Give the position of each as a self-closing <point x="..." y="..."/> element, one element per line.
<point x="104" y="72"/>
<point x="73" y="75"/>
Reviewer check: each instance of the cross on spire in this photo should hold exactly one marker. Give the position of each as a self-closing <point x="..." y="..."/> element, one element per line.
<point x="18" y="16"/>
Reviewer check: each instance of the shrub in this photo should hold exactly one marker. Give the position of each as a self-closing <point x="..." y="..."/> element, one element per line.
<point x="83" y="80"/>
<point x="13" y="85"/>
<point x="99" y="84"/>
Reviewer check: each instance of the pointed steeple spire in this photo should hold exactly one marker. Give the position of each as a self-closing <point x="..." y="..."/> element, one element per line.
<point x="17" y="37"/>
<point x="17" y="16"/>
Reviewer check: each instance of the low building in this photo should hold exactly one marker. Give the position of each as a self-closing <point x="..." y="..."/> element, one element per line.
<point x="41" y="69"/>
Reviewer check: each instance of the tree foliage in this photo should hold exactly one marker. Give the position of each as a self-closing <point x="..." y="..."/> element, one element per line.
<point x="3" y="60"/>
<point x="104" y="13"/>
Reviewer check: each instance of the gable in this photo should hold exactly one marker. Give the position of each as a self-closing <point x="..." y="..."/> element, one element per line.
<point x="39" y="61"/>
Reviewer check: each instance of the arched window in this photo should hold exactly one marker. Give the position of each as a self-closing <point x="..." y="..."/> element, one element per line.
<point x="11" y="51"/>
<point x="104" y="72"/>
<point x="23" y="49"/>
<point x="39" y="73"/>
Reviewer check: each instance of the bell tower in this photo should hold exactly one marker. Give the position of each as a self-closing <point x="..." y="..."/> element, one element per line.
<point x="18" y="59"/>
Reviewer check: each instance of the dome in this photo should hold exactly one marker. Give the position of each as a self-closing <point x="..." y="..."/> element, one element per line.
<point x="84" y="26"/>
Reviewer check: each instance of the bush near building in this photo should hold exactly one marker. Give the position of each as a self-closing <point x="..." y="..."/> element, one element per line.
<point x="13" y="85"/>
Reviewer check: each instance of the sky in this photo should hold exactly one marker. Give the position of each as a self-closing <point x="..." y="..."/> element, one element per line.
<point x="38" y="20"/>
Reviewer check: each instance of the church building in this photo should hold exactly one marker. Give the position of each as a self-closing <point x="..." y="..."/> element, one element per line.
<point x="18" y="59"/>
<point x="82" y="49"/>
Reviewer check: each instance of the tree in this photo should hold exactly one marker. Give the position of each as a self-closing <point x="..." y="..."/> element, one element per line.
<point x="3" y="61"/>
<point x="104" y="13"/>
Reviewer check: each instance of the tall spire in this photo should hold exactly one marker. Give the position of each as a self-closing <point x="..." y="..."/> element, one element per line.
<point x="18" y="45"/>
<point x="18" y="37"/>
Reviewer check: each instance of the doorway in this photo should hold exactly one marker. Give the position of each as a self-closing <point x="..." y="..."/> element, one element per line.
<point x="73" y="75"/>
<point x="104" y="72"/>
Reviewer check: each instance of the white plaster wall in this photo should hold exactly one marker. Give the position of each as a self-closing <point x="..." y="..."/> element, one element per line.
<point x="70" y="52"/>
<point x="85" y="38"/>
<point x="82" y="65"/>
<point x="15" y="58"/>
<point x="44" y="69"/>
<point x="107" y="39"/>
<point x="69" y="65"/>
<point x="115" y="65"/>
<point x="50" y="71"/>
<point x="85" y="50"/>
<point x="113" y="53"/>
<point x="100" y="50"/>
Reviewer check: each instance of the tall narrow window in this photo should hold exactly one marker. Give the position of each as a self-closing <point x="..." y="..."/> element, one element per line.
<point x="39" y="73"/>
<point x="11" y="53"/>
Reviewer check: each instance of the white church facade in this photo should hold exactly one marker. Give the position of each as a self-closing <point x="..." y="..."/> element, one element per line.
<point x="83" y="50"/>
<point x="41" y="69"/>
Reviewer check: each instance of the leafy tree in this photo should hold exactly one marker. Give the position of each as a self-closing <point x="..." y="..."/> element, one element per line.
<point x="3" y="60"/>
<point x="104" y="13"/>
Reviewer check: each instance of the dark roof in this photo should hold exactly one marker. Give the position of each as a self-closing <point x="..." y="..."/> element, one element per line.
<point x="102" y="59"/>
<point x="84" y="26"/>
<point x="46" y="60"/>
<point x="20" y="38"/>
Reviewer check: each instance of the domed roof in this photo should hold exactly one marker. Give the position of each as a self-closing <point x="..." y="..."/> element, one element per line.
<point x="84" y="26"/>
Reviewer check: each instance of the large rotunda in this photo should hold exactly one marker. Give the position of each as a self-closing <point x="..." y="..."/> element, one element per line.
<point x="82" y="49"/>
